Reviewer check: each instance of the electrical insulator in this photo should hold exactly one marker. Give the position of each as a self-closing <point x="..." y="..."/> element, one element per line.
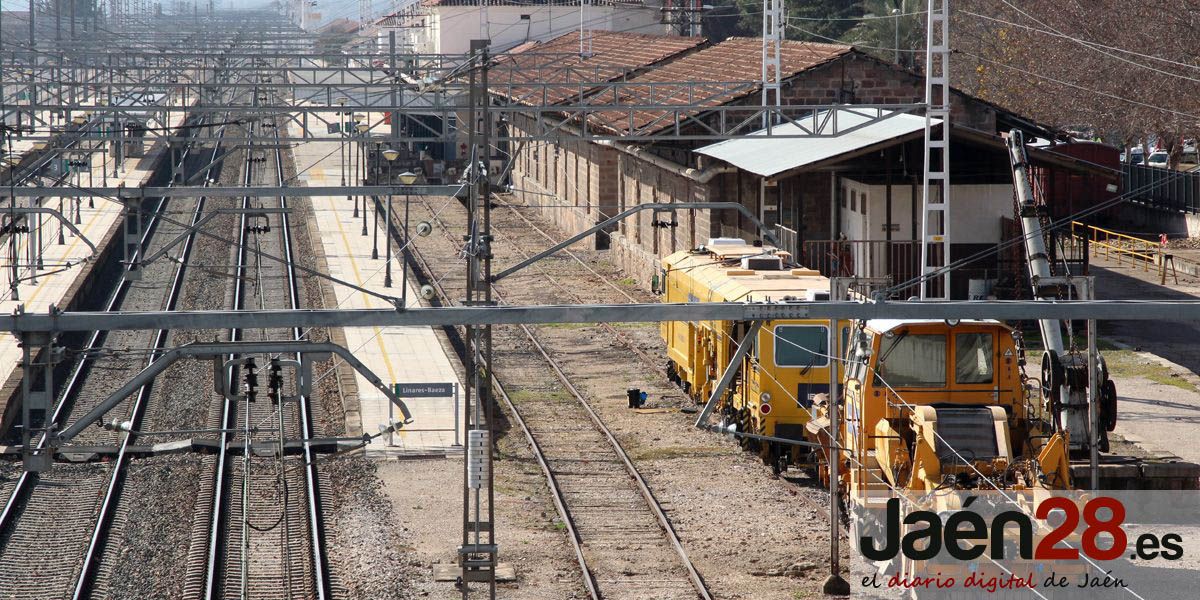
<point x="251" y="380"/>
<point x="275" y="381"/>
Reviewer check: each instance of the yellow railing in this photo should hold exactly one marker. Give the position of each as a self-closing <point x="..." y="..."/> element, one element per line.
<point x="1118" y="246"/>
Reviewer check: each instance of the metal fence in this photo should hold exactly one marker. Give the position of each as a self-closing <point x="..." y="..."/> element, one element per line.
<point x="898" y="259"/>
<point x="789" y="240"/>
<point x="1166" y="189"/>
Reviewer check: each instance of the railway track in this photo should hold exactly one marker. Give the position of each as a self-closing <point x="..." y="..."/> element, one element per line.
<point x="623" y="540"/>
<point x="74" y="504"/>
<point x="262" y="530"/>
<point x="9" y="240"/>
<point x="264" y="533"/>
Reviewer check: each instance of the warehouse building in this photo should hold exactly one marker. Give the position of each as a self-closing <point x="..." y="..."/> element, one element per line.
<point x="847" y="204"/>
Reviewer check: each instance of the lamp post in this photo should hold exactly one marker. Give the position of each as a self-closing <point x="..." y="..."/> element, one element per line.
<point x="407" y="178"/>
<point x="362" y="127"/>
<point x="390" y="155"/>
<point x="341" y="102"/>
<point x="375" y="236"/>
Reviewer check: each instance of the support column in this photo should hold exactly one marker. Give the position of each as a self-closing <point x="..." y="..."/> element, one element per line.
<point x="477" y="554"/>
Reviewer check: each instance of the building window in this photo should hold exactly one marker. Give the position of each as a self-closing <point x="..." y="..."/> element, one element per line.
<point x="863" y="201"/>
<point x="853" y="201"/>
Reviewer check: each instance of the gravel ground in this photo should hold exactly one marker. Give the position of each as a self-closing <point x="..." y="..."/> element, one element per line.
<point x="750" y="535"/>
<point x="369" y="557"/>
<point x="148" y="549"/>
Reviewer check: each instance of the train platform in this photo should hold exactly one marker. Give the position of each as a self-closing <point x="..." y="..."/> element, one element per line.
<point x="409" y="356"/>
<point x="66" y="258"/>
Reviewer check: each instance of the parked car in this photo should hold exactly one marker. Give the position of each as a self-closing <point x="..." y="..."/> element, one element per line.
<point x="1158" y="159"/>
<point x="1133" y="157"/>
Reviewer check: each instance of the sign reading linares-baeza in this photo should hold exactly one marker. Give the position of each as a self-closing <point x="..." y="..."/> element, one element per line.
<point x="424" y="390"/>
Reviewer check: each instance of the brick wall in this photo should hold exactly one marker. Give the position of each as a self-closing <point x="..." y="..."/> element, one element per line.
<point x="639" y="245"/>
<point x="859" y="79"/>
<point x="572" y="182"/>
<point x="580" y="183"/>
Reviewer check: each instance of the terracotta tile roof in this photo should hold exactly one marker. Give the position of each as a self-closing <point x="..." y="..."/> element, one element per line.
<point x="613" y="55"/>
<point x="713" y="69"/>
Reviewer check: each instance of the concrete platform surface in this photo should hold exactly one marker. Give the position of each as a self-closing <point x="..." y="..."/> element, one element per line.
<point x="37" y="289"/>
<point x="395" y="354"/>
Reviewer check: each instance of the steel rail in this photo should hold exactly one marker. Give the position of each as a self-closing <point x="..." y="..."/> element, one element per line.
<point x="228" y="414"/>
<point x="91" y="558"/>
<point x="664" y="522"/>
<point x="316" y="524"/>
<point x="556" y="494"/>
<point x="80" y="371"/>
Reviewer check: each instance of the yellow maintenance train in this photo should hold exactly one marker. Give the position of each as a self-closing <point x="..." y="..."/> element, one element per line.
<point x="913" y="391"/>
<point x="789" y="367"/>
<point x="927" y="408"/>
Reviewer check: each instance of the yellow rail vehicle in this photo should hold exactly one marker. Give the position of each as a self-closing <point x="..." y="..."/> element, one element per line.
<point x="930" y="405"/>
<point x="775" y="386"/>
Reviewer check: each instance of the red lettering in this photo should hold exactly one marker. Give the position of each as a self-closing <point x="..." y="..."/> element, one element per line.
<point x="1046" y="549"/>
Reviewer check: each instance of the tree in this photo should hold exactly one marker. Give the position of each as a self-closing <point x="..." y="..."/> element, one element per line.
<point x="888" y="26"/>
<point x="809" y="20"/>
<point x="1126" y="70"/>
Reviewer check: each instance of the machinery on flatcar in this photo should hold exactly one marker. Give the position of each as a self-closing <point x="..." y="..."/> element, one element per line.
<point x="790" y="365"/>
<point x="936" y="405"/>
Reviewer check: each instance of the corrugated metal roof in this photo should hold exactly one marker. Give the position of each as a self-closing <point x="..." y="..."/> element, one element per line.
<point x="769" y="156"/>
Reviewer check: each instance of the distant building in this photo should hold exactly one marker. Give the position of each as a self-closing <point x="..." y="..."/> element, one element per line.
<point x="448" y="26"/>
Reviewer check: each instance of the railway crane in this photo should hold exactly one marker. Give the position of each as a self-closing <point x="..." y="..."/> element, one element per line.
<point x="1064" y="370"/>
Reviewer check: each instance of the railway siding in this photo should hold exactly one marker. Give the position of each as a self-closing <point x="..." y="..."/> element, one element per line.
<point x="703" y="482"/>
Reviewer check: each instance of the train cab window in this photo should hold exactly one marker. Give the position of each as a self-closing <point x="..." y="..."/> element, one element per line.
<point x="801" y="346"/>
<point x="907" y="360"/>
<point x="973" y="354"/>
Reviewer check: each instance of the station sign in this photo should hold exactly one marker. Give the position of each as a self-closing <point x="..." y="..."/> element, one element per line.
<point x="423" y="390"/>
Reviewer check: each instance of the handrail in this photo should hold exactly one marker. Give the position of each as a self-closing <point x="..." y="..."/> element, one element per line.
<point x="1118" y="244"/>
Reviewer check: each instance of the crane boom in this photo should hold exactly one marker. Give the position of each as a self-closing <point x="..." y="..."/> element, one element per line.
<point x="1065" y="372"/>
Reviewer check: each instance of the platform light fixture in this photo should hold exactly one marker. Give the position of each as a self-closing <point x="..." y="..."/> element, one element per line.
<point x="390" y="155"/>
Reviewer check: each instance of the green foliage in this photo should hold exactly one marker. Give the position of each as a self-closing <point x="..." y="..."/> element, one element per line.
<point x="879" y="36"/>
<point x="820" y="20"/>
<point x="809" y="20"/>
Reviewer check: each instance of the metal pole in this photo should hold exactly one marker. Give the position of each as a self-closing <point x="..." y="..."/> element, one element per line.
<point x="360" y="174"/>
<point x="387" y="263"/>
<point x="896" y="17"/>
<point x="375" y="234"/>
<point x="835" y="584"/>
<point x="401" y="254"/>
<point x="1093" y="406"/>
<point x="355" y="215"/>
<point x="457" y="439"/>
